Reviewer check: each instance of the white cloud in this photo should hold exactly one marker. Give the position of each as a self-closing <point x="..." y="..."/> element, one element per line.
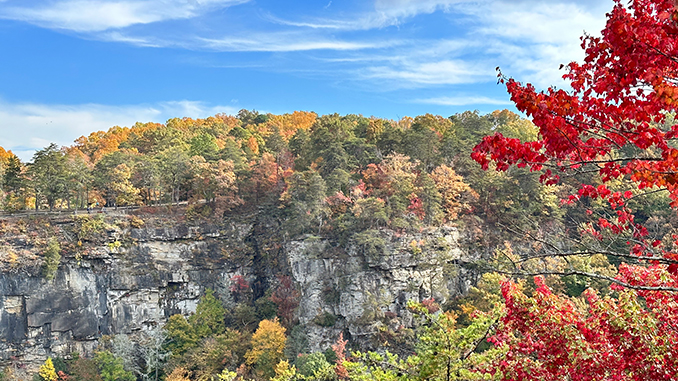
<point x="282" y="42"/>
<point x="409" y="8"/>
<point x="528" y="39"/>
<point x="543" y="22"/>
<point x="253" y="42"/>
<point x="116" y="36"/>
<point x="446" y="72"/>
<point x="386" y="13"/>
<point x="100" y="15"/>
<point x="365" y="22"/>
<point x="463" y="101"/>
<point x="535" y="40"/>
<point x="28" y="127"/>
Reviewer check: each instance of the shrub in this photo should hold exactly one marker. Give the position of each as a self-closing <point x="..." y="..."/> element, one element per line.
<point x="325" y="319"/>
<point x="52" y="258"/>
<point x="88" y="227"/>
<point x="111" y="368"/>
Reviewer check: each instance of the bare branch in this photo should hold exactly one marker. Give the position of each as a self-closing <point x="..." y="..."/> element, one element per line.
<point x="590" y="275"/>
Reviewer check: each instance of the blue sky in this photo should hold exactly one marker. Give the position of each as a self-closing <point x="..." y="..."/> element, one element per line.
<point x="71" y="67"/>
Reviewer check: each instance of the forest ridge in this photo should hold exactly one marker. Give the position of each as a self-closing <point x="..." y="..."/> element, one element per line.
<point x="386" y="173"/>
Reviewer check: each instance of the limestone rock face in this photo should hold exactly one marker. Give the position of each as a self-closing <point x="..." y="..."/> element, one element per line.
<point x="361" y="290"/>
<point x="122" y="291"/>
<point x="158" y="272"/>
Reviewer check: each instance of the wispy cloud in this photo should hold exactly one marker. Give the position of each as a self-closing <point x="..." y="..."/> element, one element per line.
<point x="446" y="72"/>
<point x="282" y="42"/>
<point x="534" y="40"/>
<point x="61" y="124"/>
<point x="273" y="42"/>
<point x="362" y="22"/>
<point x="527" y="38"/>
<point x="352" y="45"/>
<point x="100" y="15"/>
<point x="463" y="101"/>
<point x="410" y="8"/>
<point x="386" y="13"/>
<point x="148" y="42"/>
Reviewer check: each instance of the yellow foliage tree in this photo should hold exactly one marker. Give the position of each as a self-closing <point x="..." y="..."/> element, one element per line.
<point x="268" y="344"/>
<point x="454" y="191"/>
<point x="126" y="193"/>
<point x="290" y="123"/>
<point x="47" y="371"/>
<point x="98" y="144"/>
<point x="4" y="156"/>
<point x="434" y="122"/>
<point x="284" y="372"/>
<point x="179" y="374"/>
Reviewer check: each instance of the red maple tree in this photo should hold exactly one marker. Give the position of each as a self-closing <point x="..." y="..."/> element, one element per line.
<point x="615" y="126"/>
<point x="616" y="122"/>
<point x="549" y="337"/>
<point x="286" y="298"/>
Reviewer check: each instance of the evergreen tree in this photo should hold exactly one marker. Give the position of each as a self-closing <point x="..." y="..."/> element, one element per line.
<point x="208" y="319"/>
<point x="49" y="175"/>
<point x="111" y="368"/>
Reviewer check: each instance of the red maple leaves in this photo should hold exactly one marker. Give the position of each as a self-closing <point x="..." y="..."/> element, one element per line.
<point x="549" y="337"/>
<point x="617" y="120"/>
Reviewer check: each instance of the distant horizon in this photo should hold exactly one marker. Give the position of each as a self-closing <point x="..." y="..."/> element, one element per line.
<point x="81" y="66"/>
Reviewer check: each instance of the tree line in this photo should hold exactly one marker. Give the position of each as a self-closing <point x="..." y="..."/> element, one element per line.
<point x="324" y="172"/>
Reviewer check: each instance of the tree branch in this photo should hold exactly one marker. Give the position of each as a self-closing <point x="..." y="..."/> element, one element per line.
<point x="590" y="275"/>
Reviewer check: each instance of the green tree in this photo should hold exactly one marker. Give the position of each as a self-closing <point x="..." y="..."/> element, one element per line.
<point x="232" y="152"/>
<point x="315" y="367"/>
<point x="444" y="352"/>
<point x="181" y="335"/>
<point x="208" y="319"/>
<point x="305" y="199"/>
<point x="52" y="257"/>
<point x="422" y="141"/>
<point x="175" y="168"/>
<point x="328" y="135"/>
<point x="79" y="175"/>
<point x="111" y="368"/>
<point x="14" y="183"/>
<point x="49" y="175"/>
<point x="13" y="176"/>
<point x="146" y="178"/>
<point x="213" y="356"/>
<point x="430" y="199"/>
<point x="106" y="176"/>
<point x="151" y="138"/>
<point x="204" y="145"/>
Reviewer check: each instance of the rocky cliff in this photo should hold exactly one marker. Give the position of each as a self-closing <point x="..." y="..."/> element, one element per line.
<point x="131" y="279"/>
